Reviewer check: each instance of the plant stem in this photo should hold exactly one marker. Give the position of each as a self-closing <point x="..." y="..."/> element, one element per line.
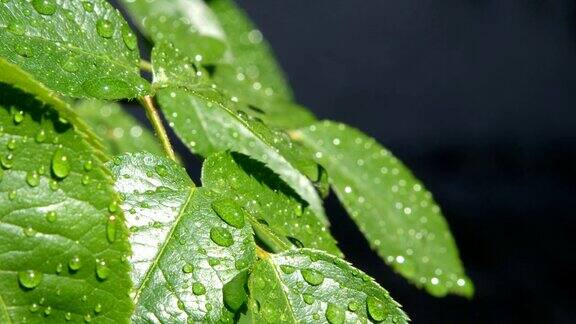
<point x="145" y="66"/>
<point x="261" y="253"/>
<point x="154" y="118"/>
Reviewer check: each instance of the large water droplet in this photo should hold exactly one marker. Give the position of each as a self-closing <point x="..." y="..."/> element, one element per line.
<point x="107" y="88"/>
<point x="221" y="236"/>
<point x="104" y="28"/>
<point x="102" y="269"/>
<point x="335" y="314"/>
<point x="32" y="179"/>
<point x="129" y="38"/>
<point x="198" y="289"/>
<point x="45" y="7"/>
<point x="75" y="263"/>
<point x="229" y="212"/>
<point x="30" y="278"/>
<point x="60" y="164"/>
<point x="312" y="276"/>
<point x="376" y="308"/>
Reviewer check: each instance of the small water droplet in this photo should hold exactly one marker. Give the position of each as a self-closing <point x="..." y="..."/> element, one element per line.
<point x="59" y="268"/>
<point x="7" y="161"/>
<point x="287" y="269"/>
<point x="111" y="228"/>
<point x="34" y="308"/>
<point x="11" y="145"/>
<point x="12" y="195"/>
<point x="40" y="136"/>
<point x="102" y="269"/>
<point x="75" y="263"/>
<point x="129" y="38"/>
<point x="68" y="316"/>
<point x="88" y="6"/>
<point x="30" y="278"/>
<point x="51" y="216"/>
<point x="70" y="64"/>
<point x="161" y="170"/>
<point x="308" y="299"/>
<point x="29" y="231"/>
<point x="16" y="28"/>
<point x="376" y="308"/>
<point x="60" y="164"/>
<point x="188" y="268"/>
<point x="221" y="236"/>
<point x="104" y="28"/>
<point x="88" y="165"/>
<point x="98" y="308"/>
<point x="312" y="276"/>
<point x="229" y="212"/>
<point x="32" y="179"/>
<point x="87" y="318"/>
<point x="213" y="262"/>
<point x="353" y="306"/>
<point x="44" y="7"/>
<point x="198" y="289"/>
<point x="18" y="115"/>
<point x="335" y="314"/>
<point x="86" y="180"/>
<point x="48" y="311"/>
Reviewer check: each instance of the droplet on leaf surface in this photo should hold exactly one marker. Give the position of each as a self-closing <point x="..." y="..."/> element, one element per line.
<point x="30" y="278"/>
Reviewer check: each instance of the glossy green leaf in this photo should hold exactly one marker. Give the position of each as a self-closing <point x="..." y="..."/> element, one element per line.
<point x="310" y="286"/>
<point x="254" y="72"/>
<point x="266" y="198"/>
<point x="57" y="262"/>
<point x="78" y="48"/>
<point x="391" y="207"/>
<point x="120" y="132"/>
<point x="206" y="126"/>
<point x="188" y="24"/>
<point x="184" y="252"/>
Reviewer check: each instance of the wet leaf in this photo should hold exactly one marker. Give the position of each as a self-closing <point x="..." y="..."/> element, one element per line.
<point x="184" y="252"/>
<point x="56" y="261"/>
<point x="266" y="198"/>
<point x="310" y="286"/>
<point x="392" y="208"/>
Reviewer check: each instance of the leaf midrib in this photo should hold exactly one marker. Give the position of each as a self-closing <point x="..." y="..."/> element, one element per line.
<point x="154" y="264"/>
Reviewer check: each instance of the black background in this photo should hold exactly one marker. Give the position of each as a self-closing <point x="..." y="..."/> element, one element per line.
<point x="478" y="98"/>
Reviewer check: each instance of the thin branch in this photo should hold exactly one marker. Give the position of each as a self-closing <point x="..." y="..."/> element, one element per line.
<point x="145" y="66"/>
<point x="154" y="118"/>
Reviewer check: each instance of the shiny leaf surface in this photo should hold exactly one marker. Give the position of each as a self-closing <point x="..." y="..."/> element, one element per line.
<point x="78" y="48"/>
<point x="391" y="207"/>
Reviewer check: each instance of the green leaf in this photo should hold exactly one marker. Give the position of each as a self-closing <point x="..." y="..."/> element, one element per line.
<point x="266" y="198"/>
<point x="189" y="24"/>
<point x="78" y="48"/>
<point x="206" y="127"/>
<point x="121" y="133"/>
<point x="391" y="207"/>
<point x="309" y="286"/>
<point x="57" y="260"/>
<point x="184" y="251"/>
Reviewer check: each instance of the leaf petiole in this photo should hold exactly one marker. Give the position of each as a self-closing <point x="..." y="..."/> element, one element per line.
<point x="156" y="121"/>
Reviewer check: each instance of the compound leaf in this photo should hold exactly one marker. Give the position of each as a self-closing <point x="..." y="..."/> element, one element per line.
<point x="391" y="207"/>
<point x="310" y="286"/>
<point x="61" y="244"/>
<point x="78" y="48"/>
<point x="184" y="251"/>
<point x="189" y="24"/>
<point x="120" y="132"/>
<point x="267" y="198"/>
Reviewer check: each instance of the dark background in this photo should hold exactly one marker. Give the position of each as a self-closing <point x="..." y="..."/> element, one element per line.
<point x="478" y="98"/>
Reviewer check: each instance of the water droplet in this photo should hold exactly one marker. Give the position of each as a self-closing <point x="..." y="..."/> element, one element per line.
<point x="75" y="263"/>
<point x="70" y="64"/>
<point x="68" y="316"/>
<point x="51" y="216"/>
<point x="59" y="267"/>
<point x="229" y="212"/>
<point x="60" y="164"/>
<point x="111" y="228"/>
<point x="7" y="161"/>
<point x="198" y="289"/>
<point x="29" y="231"/>
<point x="40" y="136"/>
<point x="161" y="170"/>
<point x="104" y="28"/>
<point x="287" y="269"/>
<point x="108" y="88"/>
<point x="180" y="305"/>
<point x="53" y="184"/>
<point x="188" y="268"/>
<point x="213" y="262"/>
<point x="308" y="299"/>
<point x="241" y="264"/>
<point x="18" y="115"/>
<point x="16" y="28"/>
<point x="87" y="318"/>
<point x="12" y="195"/>
<point x="32" y="179"/>
<point x="34" y="308"/>
<point x="353" y="306"/>
<point x="88" y="6"/>
<point x="88" y="165"/>
<point x="86" y="179"/>
<point x="98" y="308"/>
<point x="335" y="314"/>
<point x="48" y="311"/>
<point x="102" y="269"/>
<point x="30" y="278"/>
<point x="221" y="236"/>
<point x="11" y="145"/>
<point x="376" y="308"/>
<point x="44" y="7"/>
<point x="312" y="276"/>
<point x="129" y="38"/>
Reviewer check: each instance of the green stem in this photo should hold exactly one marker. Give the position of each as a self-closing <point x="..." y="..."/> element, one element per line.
<point x="154" y="118"/>
<point x="145" y="66"/>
